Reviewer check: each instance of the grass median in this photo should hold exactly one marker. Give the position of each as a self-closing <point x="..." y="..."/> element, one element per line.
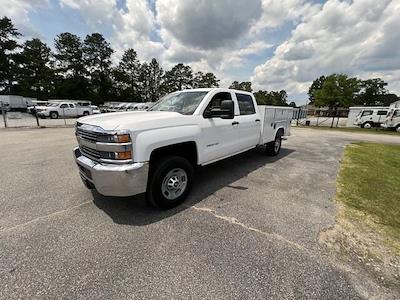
<point x="368" y="203"/>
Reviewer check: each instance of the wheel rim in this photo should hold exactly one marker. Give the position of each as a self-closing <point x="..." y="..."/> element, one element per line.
<point x="277" y="144"/>
<point x="174" y="184"/>
<point x="367" y="125"/>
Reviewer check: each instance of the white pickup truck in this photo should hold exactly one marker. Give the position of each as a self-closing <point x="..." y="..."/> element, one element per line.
<point x="57" y="110"/>
<point x="156" y="151"/>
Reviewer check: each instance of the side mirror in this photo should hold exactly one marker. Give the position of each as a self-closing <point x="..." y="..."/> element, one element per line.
<point x="226" y="111"/>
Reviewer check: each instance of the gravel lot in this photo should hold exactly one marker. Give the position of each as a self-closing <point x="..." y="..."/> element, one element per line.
<point x="249" y="230"/>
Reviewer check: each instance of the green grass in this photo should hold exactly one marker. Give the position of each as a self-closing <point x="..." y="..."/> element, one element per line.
<point x="355" y="129"/>
<point x="369" y="185"/>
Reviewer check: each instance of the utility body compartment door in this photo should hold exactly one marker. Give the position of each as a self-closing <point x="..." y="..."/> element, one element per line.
<point x="275" y="117"/>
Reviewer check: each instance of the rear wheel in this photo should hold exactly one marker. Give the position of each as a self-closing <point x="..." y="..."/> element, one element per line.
<point x="85" y="113"/>
<point x="398" y="128"/>
<point x="274" y="147"/>
<point x="170" y="181"/>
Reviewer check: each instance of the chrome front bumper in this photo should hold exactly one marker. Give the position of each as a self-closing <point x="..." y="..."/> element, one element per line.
<point x="112" y="180"/>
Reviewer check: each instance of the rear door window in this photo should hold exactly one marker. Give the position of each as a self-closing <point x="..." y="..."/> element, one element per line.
<point x="382" y="112"/>
<point x="246" y="105"/>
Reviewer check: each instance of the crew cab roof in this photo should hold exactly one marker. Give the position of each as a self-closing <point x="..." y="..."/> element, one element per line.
<point x="216" y="89"/>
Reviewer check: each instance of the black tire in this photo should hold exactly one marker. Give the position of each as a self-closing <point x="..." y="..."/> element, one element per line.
<point x="367" y="125"/>
<point x="158" y="179"/>
<point x="398" y="128"/>
<point x="273" y="148"/>
<point x="53" y="115"/>
<point x="85" y="113"/>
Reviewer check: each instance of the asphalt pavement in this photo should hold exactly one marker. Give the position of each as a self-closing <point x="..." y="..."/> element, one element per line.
<point x="248" y="231"/>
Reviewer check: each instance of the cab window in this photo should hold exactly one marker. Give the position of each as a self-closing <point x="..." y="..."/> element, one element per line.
<point x="367" y="113"/>
<point x="64" y="105"/>
<point x="246" y="104"/>
<point x="382" y="112"/>
<point x="216" y="100"/>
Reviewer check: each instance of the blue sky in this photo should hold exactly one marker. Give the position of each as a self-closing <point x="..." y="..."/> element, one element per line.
<point x="277" y="45"/>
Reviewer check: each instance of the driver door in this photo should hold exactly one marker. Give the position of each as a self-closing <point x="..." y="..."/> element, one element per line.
<point x="219" y="135"/>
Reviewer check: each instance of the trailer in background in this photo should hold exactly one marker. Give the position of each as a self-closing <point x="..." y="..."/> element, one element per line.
<point x="17" y="102"/>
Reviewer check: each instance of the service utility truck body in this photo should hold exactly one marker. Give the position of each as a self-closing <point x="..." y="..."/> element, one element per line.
<point x="60" y="109"/>
<point x="156" y="151"/>
<point x="371" y="117"/>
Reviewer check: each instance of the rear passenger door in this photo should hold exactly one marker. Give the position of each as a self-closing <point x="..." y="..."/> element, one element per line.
<point x="249" y="128"/>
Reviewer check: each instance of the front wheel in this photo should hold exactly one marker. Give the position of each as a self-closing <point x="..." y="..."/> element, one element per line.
<point x="169" y="183"/>
<point x="367" y="125"/>
<point x="54" y="115"/>
<point x="398" y="128"/>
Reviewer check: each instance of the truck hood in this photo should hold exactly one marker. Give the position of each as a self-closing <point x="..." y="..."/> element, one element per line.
<point x="137" y="120"/>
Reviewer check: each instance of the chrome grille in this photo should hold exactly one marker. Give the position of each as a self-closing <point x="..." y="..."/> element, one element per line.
<point x="87" y="135"/>
<point x="89" y="152"/>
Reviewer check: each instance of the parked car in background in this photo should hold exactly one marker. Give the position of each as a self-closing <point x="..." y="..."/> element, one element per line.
<point x="37" y="104"/>
<point x="141" y="106"/>
<point x="157" y="151"/>
<point x="64" y="109"/>
<point x="95" y="109"/>
<point x="130" y="106"/>
<point x="369" y="118"/>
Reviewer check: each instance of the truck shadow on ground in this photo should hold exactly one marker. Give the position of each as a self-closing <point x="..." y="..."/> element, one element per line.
<point x="136" y="212"/>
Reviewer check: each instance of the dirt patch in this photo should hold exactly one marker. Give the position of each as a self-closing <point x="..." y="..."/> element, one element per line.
<point x="365" y="245"/>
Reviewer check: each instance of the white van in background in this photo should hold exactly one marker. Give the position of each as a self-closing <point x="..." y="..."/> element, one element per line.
<point x="369" y="118"/>
<point x="393" y="118"/>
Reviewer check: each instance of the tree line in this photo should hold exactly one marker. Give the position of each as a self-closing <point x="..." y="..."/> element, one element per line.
<point x="340" y="90"/>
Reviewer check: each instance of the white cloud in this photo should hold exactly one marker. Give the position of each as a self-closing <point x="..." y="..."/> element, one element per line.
<point x="358" y="38"/>
<point x="207" y="24"/>
<point x="18" y="12"/>
<point x="131" y="26"/>
<point x="95" y="12"/>
<point x="276" y="13"/>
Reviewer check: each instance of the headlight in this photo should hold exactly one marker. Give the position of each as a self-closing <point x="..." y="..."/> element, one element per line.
<point x="117" y="138"/>
<point x="116" y="155"/>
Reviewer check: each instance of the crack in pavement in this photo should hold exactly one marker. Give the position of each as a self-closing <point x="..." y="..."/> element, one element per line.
<point x="6" y="229"/>
<point x="235" y="221"/>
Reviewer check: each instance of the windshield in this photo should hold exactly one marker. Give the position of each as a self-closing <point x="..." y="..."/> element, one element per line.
<point x="53" y="104"/>
<point x="181" y="102"/>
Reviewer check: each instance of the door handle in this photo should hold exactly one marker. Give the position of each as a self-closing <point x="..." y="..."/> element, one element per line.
<point x="235" y="123"/>
<point x="258" y="120"/>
